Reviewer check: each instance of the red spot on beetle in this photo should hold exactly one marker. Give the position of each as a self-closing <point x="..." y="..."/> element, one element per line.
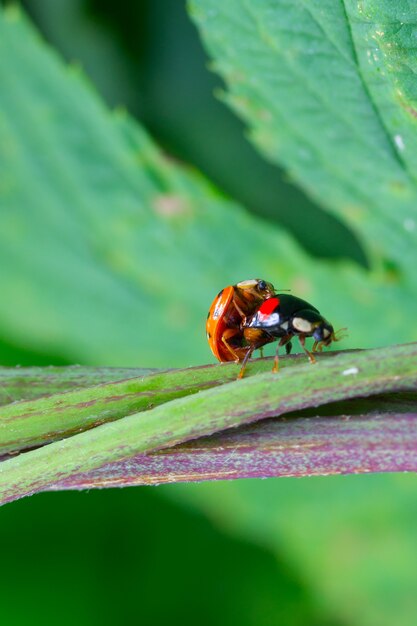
<point x="269" y="306"/>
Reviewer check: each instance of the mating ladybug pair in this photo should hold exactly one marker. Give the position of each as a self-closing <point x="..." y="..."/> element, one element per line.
<point x="247" y="316"/>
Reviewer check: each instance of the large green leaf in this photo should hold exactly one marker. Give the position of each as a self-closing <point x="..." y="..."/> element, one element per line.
<point x="113" y="249"/>
<point x="352" y="537"/>
<point x="328" y="90"/>
<point x="110" y="253"/>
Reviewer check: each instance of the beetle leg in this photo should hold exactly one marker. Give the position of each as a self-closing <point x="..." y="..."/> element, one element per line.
<point x="228" y="334"/>
<point x="302" y="339"/>
<point x="276" y="359"/>
<point x="255" y="338"/>
<point x="288" y="347"/>
<point x="245" y="360"/>
<point x="239" y="310"/>
<point x="284" y="341"/>
<point x="251" y="349"/>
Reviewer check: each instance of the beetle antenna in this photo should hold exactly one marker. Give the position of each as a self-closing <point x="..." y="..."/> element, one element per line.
<point x="340" y="334"/>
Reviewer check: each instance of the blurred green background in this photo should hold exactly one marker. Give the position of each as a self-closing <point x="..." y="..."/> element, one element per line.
<point x="343" y="549"/>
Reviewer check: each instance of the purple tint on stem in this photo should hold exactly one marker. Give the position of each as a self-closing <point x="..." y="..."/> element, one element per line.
<point x="307" y="446"/>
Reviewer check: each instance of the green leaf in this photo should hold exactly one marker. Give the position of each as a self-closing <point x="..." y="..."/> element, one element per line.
<point x="97" y="230"/>
<point x="352" y="538"/>
<point x="111" y="254"/>
<point x="327" y="89"/>
<point x="334" y="378"/>
<point x="102" y="237"/>
<point x="383" y="35"/>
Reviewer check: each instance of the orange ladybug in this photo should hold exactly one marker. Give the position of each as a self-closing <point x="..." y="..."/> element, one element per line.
<point x="227" y="314"/>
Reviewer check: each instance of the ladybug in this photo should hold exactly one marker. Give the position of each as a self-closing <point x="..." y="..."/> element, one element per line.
<point x="231" y="307"/>
<point x="283" y="317"/>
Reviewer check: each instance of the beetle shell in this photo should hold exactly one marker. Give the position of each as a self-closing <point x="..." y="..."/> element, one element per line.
<point x="216" y="324"/>
<point x="227" y="314"/>
<point x="284" y="315"/>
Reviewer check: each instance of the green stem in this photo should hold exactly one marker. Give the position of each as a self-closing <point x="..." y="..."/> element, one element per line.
<point x="31" y="423"/>
<point x="27" y="383"/>
<point x="266" y="395"/>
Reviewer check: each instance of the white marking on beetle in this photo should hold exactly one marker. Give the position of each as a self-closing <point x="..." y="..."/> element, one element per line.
<point x="265" y="320"/>
<point x="409" y="224"/>
<point x="399" y="142"/>
<point x="248" y="283"/>
<point x="302" y="325"/>
<point x="218" y="310"/>
<point x="350" y="371"/>
<point x="326" y="333"/>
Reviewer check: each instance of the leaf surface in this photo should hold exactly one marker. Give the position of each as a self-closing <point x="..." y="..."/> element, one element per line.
<point x="328" y="90"/>
<point x="97" y="229"/>
<point x="116" y="250"/>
